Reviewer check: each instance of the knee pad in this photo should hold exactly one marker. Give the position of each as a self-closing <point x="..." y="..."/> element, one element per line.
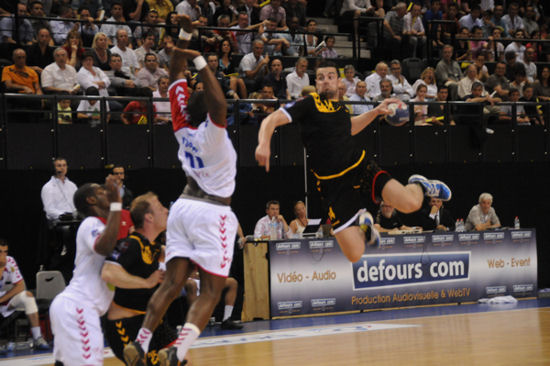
<point x="29" y="303"/>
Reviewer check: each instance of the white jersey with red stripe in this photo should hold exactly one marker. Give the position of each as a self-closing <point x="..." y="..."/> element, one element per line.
<point x="86" y="286"/>
<point x="10" y="276"/>
<point x="206" y="152"/>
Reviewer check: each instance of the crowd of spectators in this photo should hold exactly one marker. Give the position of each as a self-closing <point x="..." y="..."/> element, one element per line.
<point x="480" y="43"/>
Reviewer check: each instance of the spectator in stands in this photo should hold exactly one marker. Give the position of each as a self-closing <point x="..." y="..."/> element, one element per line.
<point x="225" y="58"/>
<point x="520" y="77"/>
<point x="373" y="80"/>
<point x="262" y="230"/>
<point x="497" y="20"/>
<point x="516" y="46"/>
<point x="276" y="80"/>
<point x="171" y="25"/>
<point x="448" y="71"/>
<point x="244" y="39"/>
<point x="449" y="29"/>
<point x="413" y="28"/>
<point x="121" y="80"/>
<point x="542" y="86"/>
<point x="360" y="96"/>
<point x="482" y="73"/>
<point x="229" y="84"/>
<point x="146" y="47"/>
<point x="36" y="9"/>
<point x="350" y="80"/>
<point x="507" y="111"/>
<point x="149" y="26"/>
<point x="137" y="112"/>
<point x="510" y="58"/>
<point x="111" y="30"/>
<point x="90" y="75"/>
<point x="130" y="64"/>
<point x="148" y="76"/>
<point x="100" y="51"/>
<point x="94" y="6"/>
<point x="87" y="29"/>
<point x="512" y="20"/>
<point x="166" y="50"/>
<point x="89" y="110"/>
<point x="297" y="79"/>
<point x="462" y="46"/>
<point x="253" y="66"/>
<point x="529" y="20"/>
<point x="386" y="91"/>
<point x="135" y="10"/>
<point x="494" y="44"/>
<point x="274" y="42"/>
<point x="443" y="219"/>
<point x="388" y="220"/>
<point x="427" y="78"/>
<point x="465" y="84"/>
<point x="57" y="194"/>
<point x="294" y="37"/>
<point x="61" y="28"/>
<point x="64" y="110"/>
<point x="276" y="11"/>
<point x="401" y="86"/>
<point x="341" y="92"/>
<point x="25" y="30"/>
<point x="479" y="95"/>
<point x="482" y="216"/>
<point x="498" y="81"/>
<point x="472" y="19"/>
<point x="74" y="47"/>
<point x="252" y="10"/>
<point x="421" y="110"/>
<point x="163" y="108"/>
<point x="530" y="66"/>
<point x="477" y="46"/>
<point x="59" y="76"/>
<point x="437" y="111"/>
<point x="310" y="40"/>
<point x="190" y="8"/>
<point x="162" y="7"/>
<point x="393" y="35"/>
<point x="262" y="109"/>
<point x="298" y="225"/>
<point x="125" y="194"/>
<point x="531" y="110"/>
<point x="328" y="51"/>
<point x="19" y="77"/>
<point x="40" y="54"/>
<point x="13" y="295"/>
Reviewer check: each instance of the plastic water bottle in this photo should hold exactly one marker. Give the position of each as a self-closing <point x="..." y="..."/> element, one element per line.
<point x="457" y="225"/>
<point x="273" y="229"/>
<point x="516" y="223"/>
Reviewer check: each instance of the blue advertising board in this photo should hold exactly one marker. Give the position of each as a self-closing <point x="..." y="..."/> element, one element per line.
<point x="309" y="276"/>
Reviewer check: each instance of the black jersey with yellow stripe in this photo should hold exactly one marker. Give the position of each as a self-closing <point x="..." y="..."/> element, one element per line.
<point x="326" y="134"/>
<point x="139" y="257"/>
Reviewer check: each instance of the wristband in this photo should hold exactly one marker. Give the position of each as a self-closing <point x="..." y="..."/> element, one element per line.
<point x="116" y="206"/>
<point x="184" y="36"/>
<point x="200" y="63"/>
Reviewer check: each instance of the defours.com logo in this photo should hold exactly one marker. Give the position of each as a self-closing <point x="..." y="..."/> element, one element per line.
<point x="373" y="271"/>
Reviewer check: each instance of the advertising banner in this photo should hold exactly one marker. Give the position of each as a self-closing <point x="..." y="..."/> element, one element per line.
<point x="309" y="276"/>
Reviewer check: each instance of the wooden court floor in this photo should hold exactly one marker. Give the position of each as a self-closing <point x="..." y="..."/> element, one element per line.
<point x="515" y="337"/>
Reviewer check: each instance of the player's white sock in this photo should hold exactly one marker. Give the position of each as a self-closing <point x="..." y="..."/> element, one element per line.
<point x="187" y="336"/>
<point x="227" y="311"/>
<point x="36" y="333"/>
<point x="144" y="338"/>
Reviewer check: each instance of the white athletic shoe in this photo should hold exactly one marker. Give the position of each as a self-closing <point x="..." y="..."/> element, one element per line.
<point x="366" y="223"/>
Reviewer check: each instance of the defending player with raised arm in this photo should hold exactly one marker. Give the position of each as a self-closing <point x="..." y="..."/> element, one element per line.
<point x="201" y="225"/>
<point x="75" y="312"/>
<point x="348" y="183"/>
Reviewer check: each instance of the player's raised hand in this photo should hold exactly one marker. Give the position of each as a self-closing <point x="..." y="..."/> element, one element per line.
<point x="185" y="22"/>
<point x="111" y="187"/>
<point x="263" y="154"/>
<point x="383" y="107"/>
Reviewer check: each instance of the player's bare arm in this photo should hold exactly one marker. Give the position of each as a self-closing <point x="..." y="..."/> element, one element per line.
<point x="107" y="240"/>
<point x="269" y="124"/>
<point x="116" y="275"/>
<point x="17" y="288"/>
<point x="178" y="64"/>
<point x="358" y="123"/>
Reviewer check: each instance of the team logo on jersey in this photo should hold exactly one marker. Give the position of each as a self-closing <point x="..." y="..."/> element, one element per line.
<point x="324" y="105"/>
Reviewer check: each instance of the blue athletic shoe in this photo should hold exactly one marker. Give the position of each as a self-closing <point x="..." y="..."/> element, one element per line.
<point x="432" y="188"/>
<point x="366" y="223"/>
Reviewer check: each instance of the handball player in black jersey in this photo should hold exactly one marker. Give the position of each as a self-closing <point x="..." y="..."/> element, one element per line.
<point x="347" y="181"/>
<point x="133" y="268"/>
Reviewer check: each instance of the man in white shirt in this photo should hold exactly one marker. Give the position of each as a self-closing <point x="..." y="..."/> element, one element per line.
<point x="474" y="18"/>
<point x="148" y="76"/>
<point x="262" y="230"/>
<point x="130" y="64"/>
<point x="253" y="66"/>
<point x="58" y="76"/>
<point x="414" y="28"/>
<point x="75" y="313"/>
<point x="189" y="8"/>
<point x="373" y="80"/>
<point x="465" y="84"/>
<point x="401" y="87"/>
<point x="298" y="79"/>
<point x="360" y="96"/>
<point x="60" y="28"/>
<point x="162" y="108"/>
<point x="146" y="47"/>
<point x="57" y="194"/>
<point x="512" y="20"/>
<point x="117" y="15"/>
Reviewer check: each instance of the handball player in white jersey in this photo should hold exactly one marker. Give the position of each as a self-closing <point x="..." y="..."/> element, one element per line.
<point x="75" y="312"/>
<point x="201" y="226"/>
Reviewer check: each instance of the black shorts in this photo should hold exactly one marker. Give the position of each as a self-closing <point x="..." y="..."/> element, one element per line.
<point x="345" y="196"/>
<point x="123" y="331"/>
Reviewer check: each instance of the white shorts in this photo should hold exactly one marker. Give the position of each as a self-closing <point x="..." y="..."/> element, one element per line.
<point x="203" y="232"/>
<point x="78" y="339"/>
